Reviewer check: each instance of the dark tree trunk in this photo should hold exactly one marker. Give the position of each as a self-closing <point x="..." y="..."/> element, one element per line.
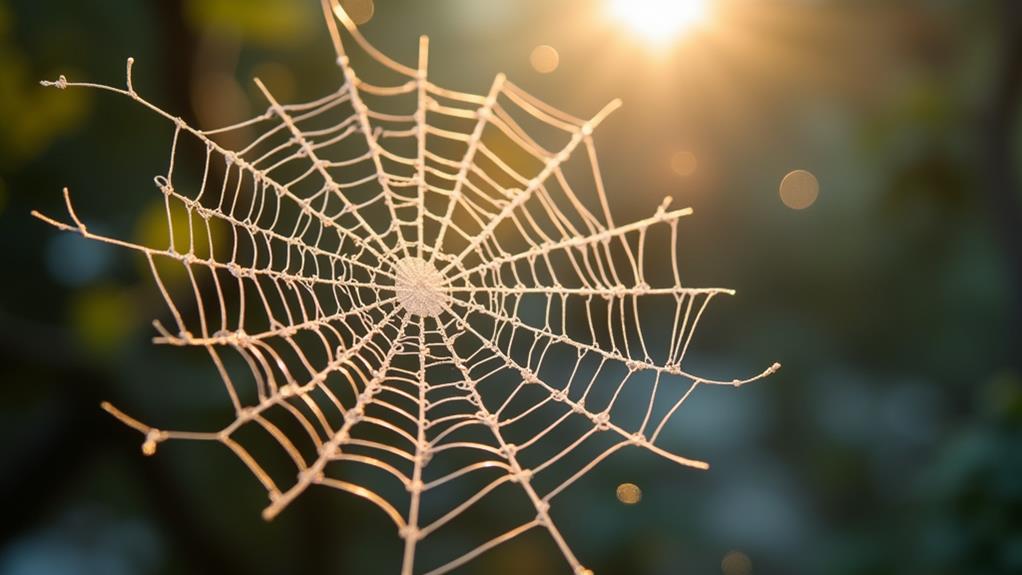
<point x="999" y="151"/>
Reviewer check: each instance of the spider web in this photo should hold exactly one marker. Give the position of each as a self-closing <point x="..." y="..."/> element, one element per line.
<point x="404" y="296"/>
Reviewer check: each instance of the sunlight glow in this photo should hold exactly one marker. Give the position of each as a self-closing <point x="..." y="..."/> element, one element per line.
<point x="660" y="21"/>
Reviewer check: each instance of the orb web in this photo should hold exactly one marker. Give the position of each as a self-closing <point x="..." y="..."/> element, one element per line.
<point x="412" y="291"/>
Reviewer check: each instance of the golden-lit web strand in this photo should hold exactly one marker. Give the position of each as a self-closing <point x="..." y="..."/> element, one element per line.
<point x="524" y="195"/>
<point x="362" y="111"/>
<point x="204" y="138"/>
<point x="520" y="475"/>
<point x="310" y="152"/>
<point x="483" y="115"/>
<point x="333" y="447"/>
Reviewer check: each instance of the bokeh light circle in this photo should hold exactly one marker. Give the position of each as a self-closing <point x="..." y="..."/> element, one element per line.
<point x="684" y="163"/>
<point x="736" y="563"/>
<point x="799" y="189"/>
<point x="629" y="493"/>
<point x="544" y="59"/>
<point x="361" y="11"/>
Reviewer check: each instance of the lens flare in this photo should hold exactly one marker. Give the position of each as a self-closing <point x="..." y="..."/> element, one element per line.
<point x="660" y="21"/>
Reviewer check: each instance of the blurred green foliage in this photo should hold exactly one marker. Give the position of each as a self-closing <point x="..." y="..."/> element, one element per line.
<point x="31" y="118"/>
<point x="274" y="23"/>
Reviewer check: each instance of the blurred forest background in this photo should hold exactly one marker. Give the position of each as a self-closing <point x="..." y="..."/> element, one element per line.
<point x="891" y="442"/>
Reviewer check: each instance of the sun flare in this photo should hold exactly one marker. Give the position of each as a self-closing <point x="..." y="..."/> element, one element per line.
<point x="660" y="21"/>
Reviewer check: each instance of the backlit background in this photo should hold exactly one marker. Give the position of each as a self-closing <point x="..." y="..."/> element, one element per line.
<point x="885" y="274"/>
